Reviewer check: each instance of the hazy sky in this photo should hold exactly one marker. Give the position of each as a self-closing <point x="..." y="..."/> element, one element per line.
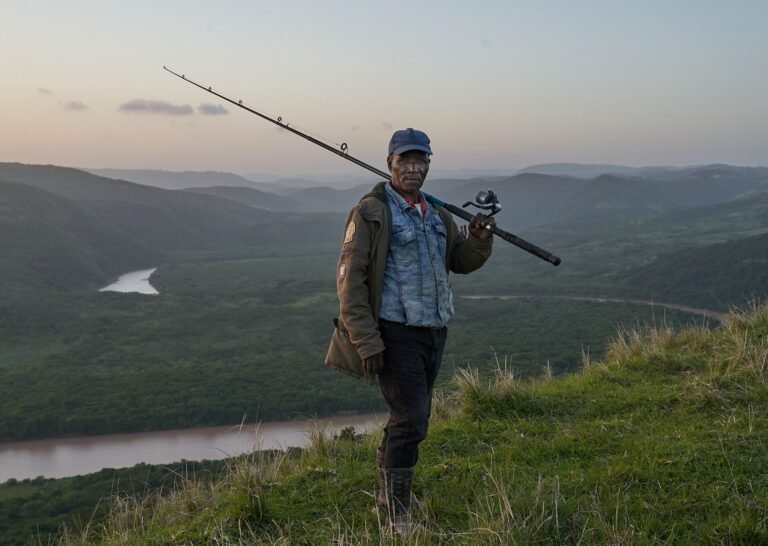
<point x="494" y="84"/>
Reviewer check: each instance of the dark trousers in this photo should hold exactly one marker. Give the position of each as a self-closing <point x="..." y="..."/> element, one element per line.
<point x="412" y="358"/>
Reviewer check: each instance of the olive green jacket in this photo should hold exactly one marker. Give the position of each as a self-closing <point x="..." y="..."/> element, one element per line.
<point x="360" y="276"/>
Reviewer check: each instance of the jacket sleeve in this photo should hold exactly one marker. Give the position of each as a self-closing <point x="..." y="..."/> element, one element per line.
<point x="466" y="254"/>
<point x="352" y="286"/>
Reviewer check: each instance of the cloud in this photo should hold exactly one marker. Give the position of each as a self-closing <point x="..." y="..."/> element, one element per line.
<point x="208" y="109"/>
<point x="75" y="106"/>
<point x="387" y="126"/>
<point x="44" y="91"/>
<point x="159" y="107"/>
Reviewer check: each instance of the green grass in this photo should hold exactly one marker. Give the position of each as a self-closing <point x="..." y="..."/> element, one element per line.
<point x="663" y="441"/>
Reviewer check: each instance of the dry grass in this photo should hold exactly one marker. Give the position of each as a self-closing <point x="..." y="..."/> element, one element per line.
<point x="640" y="342"/>
<point x="743" y="351"/>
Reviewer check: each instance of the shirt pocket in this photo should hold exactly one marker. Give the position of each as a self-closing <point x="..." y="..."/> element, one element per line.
<point x="404" y="249"/>
<point x="442" y="237"/>
<point x="403" y="236"/>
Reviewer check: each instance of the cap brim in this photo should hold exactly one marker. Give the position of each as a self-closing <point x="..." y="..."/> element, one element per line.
<point x="410" y="148"/>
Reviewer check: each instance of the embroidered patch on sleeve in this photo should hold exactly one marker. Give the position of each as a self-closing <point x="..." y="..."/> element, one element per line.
<point x="350" y="234"/>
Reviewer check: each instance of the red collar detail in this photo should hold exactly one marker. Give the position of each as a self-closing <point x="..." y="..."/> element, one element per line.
<point x="421" y="203"/>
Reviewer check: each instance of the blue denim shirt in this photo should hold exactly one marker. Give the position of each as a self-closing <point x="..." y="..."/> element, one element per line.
<point x="416" y="291"/>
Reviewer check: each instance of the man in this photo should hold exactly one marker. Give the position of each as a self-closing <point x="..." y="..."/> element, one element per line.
<point x="395" y="301"/>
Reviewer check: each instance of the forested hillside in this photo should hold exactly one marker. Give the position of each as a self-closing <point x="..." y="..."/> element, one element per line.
<point x="247" y="295"/>
<point x="713" y="276"/>
<point x="608" y="257"/>
<point x="49" y="242"/>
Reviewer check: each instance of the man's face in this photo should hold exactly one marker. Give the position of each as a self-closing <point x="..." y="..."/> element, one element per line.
<point x="409" y="170"/>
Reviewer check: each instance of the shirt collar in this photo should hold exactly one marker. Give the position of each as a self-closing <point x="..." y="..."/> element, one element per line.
<point x="404" y="203"/>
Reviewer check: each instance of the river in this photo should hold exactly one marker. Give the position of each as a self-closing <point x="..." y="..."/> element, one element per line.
<point x="61" y="457"/>
<point x="134" y="281"/>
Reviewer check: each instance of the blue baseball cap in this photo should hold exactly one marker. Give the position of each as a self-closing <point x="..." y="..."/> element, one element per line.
<point x="409" y="139"/>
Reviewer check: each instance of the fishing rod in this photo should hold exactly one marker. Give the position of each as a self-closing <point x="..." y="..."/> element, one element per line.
<point x="486" y="200"/>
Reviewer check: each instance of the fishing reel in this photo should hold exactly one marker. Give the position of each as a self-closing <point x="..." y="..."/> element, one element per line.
<point x="485" y="200"/>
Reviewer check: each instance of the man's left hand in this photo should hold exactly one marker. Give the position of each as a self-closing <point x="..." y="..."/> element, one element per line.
<point x="480" y="226"/>
<point x="374" y="363"/>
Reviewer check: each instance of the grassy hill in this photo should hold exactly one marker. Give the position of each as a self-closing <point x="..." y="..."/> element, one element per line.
<point x="663" y="441"/>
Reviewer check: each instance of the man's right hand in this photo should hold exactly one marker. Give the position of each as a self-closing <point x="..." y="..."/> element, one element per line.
<point x="374" y="364"/>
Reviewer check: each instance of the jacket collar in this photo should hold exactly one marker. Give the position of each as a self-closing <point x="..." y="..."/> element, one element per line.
<point x="373" y="205"/>
<point x="378" y="192"/>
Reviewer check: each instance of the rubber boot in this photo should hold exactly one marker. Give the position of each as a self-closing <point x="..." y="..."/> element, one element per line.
<point x="397" y="486"/>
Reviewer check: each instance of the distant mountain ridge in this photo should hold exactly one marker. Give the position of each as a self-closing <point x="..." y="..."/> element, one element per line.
<point x="249" y="196"/>
<point x="172" y="180"/>
<point x="315" y="199"/>
<point x="159" y="222"/>
<point x="533" y="199"/>
<point x="579" y="170"/>
<point x="535" y="195"/>
<point x="180" y="180"/>
<point x="588" y="170"/>
<point x="95" y="226"/>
